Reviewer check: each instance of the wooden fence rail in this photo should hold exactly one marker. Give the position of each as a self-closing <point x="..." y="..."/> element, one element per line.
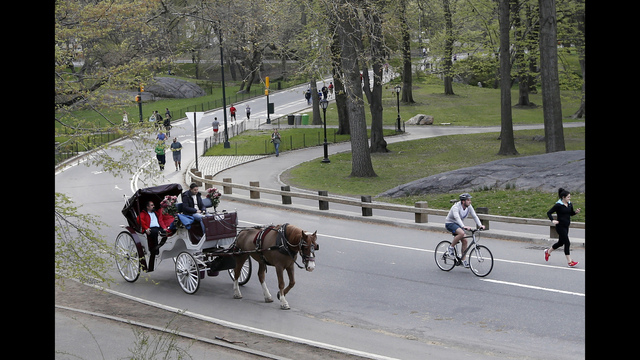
<point x="421" y="210"/>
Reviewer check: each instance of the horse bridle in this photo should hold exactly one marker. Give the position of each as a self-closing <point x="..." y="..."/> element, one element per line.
<point x="301" y="244"/>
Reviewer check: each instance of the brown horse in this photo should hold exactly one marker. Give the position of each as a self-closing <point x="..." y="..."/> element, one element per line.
<point x="263" y="246"/>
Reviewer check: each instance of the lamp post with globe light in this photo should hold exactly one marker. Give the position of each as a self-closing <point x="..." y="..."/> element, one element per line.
<point x="324" y="103"/>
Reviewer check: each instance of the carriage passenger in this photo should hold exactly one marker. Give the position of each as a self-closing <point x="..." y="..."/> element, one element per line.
<point x="152" y="223"/>
<point x="192" y="204"/>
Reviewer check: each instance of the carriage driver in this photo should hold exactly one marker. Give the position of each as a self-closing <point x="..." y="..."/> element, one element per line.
<point x="192" y="204"/>
<point x="459" y="211"/>
<point x="152" y="224"/>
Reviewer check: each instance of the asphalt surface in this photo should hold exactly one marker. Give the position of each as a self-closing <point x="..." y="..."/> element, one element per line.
<point x="93" y="323"/>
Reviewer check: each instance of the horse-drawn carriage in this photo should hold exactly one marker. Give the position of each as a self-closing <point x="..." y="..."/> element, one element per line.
<point x="219" y="247"/>
<point x="194" y="253"/>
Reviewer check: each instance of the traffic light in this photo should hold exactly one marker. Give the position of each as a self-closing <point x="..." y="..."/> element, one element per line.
<point x="138" y="98"/>
<point x="141" y="88"/>
<point x="266" y="82"/>
<point x="266" y="92"/>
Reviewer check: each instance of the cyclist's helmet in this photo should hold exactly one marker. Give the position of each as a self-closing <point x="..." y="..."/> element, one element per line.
<point x="465" y="196"/>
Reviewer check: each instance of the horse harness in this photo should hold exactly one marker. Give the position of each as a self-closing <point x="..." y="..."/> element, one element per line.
<point x="282" y="244"/>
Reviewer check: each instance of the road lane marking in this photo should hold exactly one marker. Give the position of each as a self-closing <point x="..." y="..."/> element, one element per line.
<point x="431" y="251"/>
<point x="534" y="287"/>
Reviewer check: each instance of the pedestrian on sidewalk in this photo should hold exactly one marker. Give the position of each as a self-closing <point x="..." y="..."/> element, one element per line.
<point x="232" y="110"/>
<point x="307" y="95"/>
<point x="161" y="136"/>
<point x="275" y="139"/>
<point x="248" y="111"/>
<point x="215" y="125"/>
<point x="563" y="208"/>
<point x="160" y="154"/>
<point x="176" y="149"/>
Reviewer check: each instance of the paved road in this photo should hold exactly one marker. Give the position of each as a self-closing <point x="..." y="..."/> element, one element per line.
<point x="375" y="290"/>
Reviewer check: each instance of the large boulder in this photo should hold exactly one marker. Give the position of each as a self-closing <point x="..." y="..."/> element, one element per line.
<point x="420" y="119"/>
<point x="546" y="172"/>
<point x="166" y="87"/>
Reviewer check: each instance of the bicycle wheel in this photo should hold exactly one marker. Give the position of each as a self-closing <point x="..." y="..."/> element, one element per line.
<point x="480" y="260"/>
<point x="443" y="260"/>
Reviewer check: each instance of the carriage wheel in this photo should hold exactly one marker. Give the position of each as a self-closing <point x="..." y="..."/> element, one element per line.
<point x="187" y="272"/>
<point x="245" y="273"/>
<point x="127" y="258"/>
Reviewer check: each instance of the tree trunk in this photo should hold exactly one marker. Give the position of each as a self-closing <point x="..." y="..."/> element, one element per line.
<point x="338" y="87"/>
<point x="580" y="18"/>
<point x="448" y="50"/>
<point x="521" y="59"/>
<point x="374" y="93"/>
<point x="407" y="79"/>
<point x="551" y="105"/>
<point x="350" y="36"/>
<point x="507" y="142"/>
<point x="315" y="103"/>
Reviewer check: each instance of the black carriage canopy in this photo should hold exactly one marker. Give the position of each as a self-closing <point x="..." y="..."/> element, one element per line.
<point x="138" y="201"/>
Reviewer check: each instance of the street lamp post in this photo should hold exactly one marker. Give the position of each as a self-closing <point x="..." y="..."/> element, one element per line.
<point x="226" y="145"/>
<point x="397" y="89"/>
<point x="324" y="103"/>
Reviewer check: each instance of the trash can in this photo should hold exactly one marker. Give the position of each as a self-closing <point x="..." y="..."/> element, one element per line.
<point x="305" y="119"/>
<point x="298" y="119"/>
<point x="290" y="119"/>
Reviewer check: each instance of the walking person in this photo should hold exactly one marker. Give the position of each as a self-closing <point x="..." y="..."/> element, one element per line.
<point x="176" y="149"/>
<point x="275" y="139"/>
<point x="160" y="154"/>
<point x="215" y="125"/>
<point x="248" y="111"/>
<point x="167" y="122"/>
<point x="232" y="110"/>
<point x="307" y="95"/>
<point x="563" y="208"/>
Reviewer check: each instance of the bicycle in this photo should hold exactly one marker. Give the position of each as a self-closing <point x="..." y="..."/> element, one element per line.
<point x="479" y="256"/>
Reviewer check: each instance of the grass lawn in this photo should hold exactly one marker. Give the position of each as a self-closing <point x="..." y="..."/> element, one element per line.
<point x="412" y="160"/>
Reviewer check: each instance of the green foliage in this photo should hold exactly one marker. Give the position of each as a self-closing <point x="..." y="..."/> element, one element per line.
<point x="80" y="249"/>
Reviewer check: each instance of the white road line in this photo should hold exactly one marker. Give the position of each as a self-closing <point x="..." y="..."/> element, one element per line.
<point x="430" y="251"/>
<point x="489" y="280"/>
<point x="534" y="287"/>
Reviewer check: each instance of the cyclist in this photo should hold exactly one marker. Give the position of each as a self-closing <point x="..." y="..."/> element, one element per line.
<point x="454" y="223"/>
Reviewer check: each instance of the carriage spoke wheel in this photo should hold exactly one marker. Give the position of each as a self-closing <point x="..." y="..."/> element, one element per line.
<point x="187" y="272"/>
<point x="245" y="273"/>
<point x="127" y="259"/>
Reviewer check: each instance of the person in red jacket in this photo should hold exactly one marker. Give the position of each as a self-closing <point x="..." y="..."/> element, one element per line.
<point x="151" y="223"/>
<point x="232" y="110"/>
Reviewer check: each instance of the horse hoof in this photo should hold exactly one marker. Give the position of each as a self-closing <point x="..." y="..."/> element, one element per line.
<point x="285" y="307"/>
<point x="237" y="296"/>
<point x="268" y="300"/>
